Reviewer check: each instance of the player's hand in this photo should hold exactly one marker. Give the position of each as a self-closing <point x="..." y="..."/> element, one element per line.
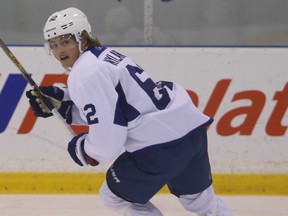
<point x="77" y="153"/>
<point x="55" y="96"/>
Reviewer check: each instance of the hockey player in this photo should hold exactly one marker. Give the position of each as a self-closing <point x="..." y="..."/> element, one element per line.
<point x="161" y="131"/>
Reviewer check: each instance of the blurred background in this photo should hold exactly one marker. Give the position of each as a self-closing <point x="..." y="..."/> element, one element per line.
<point x="156" y="22"/>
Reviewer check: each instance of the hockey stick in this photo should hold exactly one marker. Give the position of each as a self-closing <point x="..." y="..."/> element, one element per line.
<point x="35" y="87"/>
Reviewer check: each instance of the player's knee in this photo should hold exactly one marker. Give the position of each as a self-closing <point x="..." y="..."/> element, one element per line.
<point x="198" y="203"/>
<point x="110" y="200"/>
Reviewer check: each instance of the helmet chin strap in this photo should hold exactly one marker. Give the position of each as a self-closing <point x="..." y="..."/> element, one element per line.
<point x="80" y="40"/>
<point x="80" y="47"/>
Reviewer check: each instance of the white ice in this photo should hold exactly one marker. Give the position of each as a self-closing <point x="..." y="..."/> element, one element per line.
<point x="91" y="205"/>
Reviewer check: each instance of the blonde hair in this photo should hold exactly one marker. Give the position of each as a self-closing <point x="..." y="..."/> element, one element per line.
<point x="91" y="42"/>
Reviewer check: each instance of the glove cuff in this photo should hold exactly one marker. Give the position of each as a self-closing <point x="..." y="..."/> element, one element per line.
<point x="66" y="95"/>
<point x="77" y="151"/>
<point x="66" y="110"/>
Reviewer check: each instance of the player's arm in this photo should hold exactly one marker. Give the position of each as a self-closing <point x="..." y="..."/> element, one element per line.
<point x="98" y="99"/>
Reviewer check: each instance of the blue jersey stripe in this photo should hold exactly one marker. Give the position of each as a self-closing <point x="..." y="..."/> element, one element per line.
<point x="97" y="50"/>
<point x="124" y="112"/>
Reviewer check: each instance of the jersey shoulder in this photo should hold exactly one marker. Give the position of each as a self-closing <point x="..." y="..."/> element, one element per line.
<point x="90" y="70"/>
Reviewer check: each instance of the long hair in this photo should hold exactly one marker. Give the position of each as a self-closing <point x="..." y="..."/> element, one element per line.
<point x="91" y="42"/>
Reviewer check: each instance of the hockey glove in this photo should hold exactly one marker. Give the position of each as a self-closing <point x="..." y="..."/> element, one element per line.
<point x="55" y="96"/>
<point x="77" y="153"/>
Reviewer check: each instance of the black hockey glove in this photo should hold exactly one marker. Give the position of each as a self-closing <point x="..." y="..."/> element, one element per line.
<point x="55" y="96"/>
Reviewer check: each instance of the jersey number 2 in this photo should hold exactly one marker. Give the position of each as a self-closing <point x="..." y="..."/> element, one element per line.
<point x="91" y="111"/>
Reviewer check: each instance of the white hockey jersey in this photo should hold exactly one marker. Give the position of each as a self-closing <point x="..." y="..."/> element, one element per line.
<point x="124" y="107"/>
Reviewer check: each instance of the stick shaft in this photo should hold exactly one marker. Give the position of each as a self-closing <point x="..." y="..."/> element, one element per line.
<point x="32" y="83"/>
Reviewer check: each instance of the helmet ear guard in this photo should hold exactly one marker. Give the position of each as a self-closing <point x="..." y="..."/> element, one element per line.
<point x="47" y="48"/>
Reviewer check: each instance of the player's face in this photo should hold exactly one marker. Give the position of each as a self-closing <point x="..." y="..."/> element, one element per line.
<point x="65" y="49"/>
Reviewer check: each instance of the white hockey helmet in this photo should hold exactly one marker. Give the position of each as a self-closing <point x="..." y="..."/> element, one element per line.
<point x="68" y="21"/>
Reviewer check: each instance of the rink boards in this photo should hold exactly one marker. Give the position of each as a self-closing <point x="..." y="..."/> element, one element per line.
<point x="245" y="90"/>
